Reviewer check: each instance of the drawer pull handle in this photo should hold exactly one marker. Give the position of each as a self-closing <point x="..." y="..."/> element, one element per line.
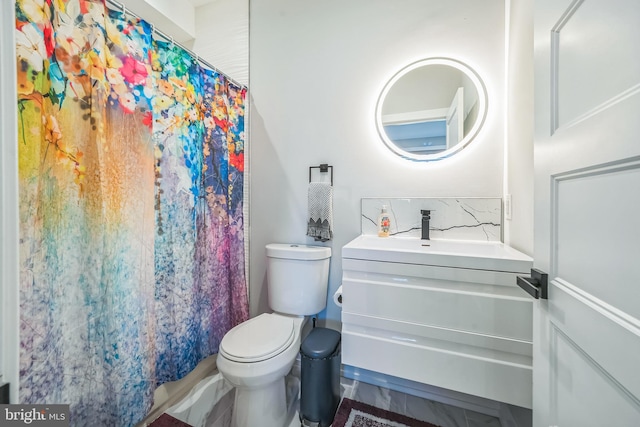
<point x="537" y="285"/>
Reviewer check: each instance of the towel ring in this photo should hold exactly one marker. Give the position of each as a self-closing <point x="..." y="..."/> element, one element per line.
<point x="324" y="168"/>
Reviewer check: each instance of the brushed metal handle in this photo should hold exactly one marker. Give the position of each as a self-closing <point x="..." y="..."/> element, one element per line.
<point x="536" y="285"/>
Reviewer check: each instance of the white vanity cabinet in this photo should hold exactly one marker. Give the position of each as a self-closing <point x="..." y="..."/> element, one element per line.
<point x="448" y="314"/>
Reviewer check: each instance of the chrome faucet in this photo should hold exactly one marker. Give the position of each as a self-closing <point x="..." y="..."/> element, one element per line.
<point x="426" y="216"/>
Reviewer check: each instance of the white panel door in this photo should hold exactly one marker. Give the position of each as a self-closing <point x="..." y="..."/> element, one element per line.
<point x="587" y="221"/>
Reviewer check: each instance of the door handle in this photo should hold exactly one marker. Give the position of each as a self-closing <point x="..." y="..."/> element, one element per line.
<point x="536" y="285"/>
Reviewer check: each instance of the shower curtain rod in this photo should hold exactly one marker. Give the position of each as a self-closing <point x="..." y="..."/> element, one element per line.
<point x="121" y="6"/>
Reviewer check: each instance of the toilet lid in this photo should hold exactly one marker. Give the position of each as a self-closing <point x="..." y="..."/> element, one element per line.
<point x="257" y="339"/>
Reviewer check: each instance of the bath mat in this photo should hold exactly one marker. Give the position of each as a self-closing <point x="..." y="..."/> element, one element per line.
<point x="166" y="420"/>
<point x="357" y="414"/>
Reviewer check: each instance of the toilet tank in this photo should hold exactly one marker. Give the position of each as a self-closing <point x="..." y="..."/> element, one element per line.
<point x="297" y="278"/>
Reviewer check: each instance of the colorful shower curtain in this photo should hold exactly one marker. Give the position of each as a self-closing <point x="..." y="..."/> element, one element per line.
<point x="131" y="227"/>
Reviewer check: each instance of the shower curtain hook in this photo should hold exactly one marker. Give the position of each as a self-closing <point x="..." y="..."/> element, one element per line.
<point x="153" y="29"/>
<point x="124" y="10"/>
<point x="171" y="41"/>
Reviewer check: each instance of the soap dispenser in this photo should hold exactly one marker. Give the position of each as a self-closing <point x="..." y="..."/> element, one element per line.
<point x="384" y="222"/>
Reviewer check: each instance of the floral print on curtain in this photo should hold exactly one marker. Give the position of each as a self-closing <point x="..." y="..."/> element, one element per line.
<point x="198" y="132"/>
<point x="222" y="228"/>
<point x="131" y="227"/>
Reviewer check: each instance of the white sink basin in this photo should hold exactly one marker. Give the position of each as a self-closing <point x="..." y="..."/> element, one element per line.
<point x="447" y="253"/>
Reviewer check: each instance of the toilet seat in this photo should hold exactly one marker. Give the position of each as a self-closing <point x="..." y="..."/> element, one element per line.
<point x="257" y="339"/>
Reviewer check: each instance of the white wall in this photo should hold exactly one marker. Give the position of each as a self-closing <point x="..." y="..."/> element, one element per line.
<point x="316" y="69"/>
<point x="222" y="37"/>
<point x="424" y="88"/>
<point x="519" y="176"/>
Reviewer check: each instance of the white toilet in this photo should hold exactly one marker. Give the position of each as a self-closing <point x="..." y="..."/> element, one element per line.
<point x="256" y="355"/>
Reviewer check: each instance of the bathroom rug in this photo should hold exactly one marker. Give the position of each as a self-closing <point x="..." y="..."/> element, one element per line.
<point x="166" y="420"/>
<point x="352" y="413"/>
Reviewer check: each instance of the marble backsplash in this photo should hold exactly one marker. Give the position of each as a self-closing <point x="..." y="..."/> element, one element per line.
<point x="454" y="218"/>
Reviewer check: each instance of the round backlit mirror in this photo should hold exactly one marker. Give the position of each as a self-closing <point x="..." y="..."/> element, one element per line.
<point x="431" y="109"/>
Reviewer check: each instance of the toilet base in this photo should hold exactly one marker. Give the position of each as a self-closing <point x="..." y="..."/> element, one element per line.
<point x="265" y="406"/>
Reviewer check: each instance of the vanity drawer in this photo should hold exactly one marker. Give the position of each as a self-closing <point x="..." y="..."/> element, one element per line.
<point x="460" y="275"/>
<point x="415" y="332"/>
<point x="446" y="304"/>
<point x="502" y="379"/>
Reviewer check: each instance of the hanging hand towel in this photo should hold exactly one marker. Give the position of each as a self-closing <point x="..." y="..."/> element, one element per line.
<point x="320" y="211"/>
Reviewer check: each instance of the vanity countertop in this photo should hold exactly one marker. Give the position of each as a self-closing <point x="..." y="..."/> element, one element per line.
<point x="480" y="255"/>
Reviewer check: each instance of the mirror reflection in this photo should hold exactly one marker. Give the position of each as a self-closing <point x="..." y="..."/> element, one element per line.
<point x="431" y="109"/>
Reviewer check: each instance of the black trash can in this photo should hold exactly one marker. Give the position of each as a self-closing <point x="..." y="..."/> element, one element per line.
<point x="320" y="377"/>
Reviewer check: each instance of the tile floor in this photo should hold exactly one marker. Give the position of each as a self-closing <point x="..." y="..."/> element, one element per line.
<point x="211" y="403"/>
<point x="436" y="413"/>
